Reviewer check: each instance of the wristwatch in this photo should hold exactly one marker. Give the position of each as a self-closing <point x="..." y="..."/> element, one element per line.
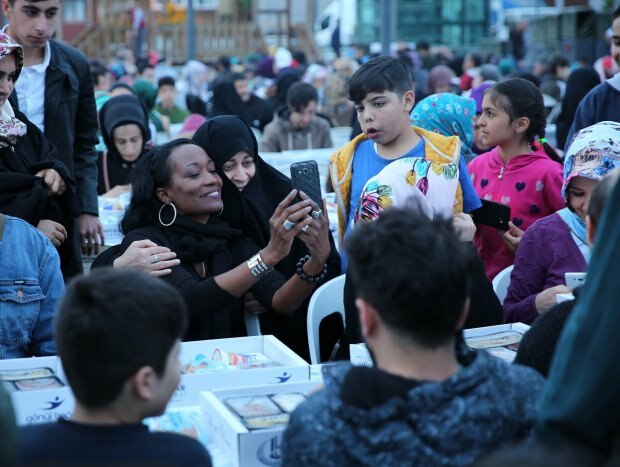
<point x="257" y="266"/>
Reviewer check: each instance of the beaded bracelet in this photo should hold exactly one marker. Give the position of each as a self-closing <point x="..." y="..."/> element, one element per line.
<point x="312" y="279"/>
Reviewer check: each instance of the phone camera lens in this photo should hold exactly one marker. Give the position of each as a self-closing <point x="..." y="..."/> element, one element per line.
<point x="305" y="171"/>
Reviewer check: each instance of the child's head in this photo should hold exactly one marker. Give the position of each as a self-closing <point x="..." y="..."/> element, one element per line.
<point x="125" y="126"/>
<point x="166" y="92"/>
<point x="301" y="99"/>
<point x="523" y="103"/>
<point x="378" y="75"/>
<point x="615" y="36"/>
<point x="383" y="96"/>
<point x="118" y="334"/>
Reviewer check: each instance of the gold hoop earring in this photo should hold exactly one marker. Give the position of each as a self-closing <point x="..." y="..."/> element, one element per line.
<point x="174" y="214"/>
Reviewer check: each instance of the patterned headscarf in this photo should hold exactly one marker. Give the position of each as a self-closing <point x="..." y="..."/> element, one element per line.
<point x="448" y="115"/>
<point x="10" y="127"/>
<point x="593" y="153"/>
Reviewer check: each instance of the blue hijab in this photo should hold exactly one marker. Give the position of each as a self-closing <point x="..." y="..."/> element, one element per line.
<point x="448" y="115"/>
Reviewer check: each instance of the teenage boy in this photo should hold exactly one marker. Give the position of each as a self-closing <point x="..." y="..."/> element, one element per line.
<point x="55" y="91"/>
<point x="166" y="94"/>
<point x="118" y="335"/>
<point x="297" y="126"/>
<point x="382" y="93"/>
<point x="603" y="102"/>
<point x="428" y="401"/>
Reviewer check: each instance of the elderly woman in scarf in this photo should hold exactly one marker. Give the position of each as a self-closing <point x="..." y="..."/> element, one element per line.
<point x="34" y="184"/>
<point x="232" y="146"/>
<point x="557" y="244"/>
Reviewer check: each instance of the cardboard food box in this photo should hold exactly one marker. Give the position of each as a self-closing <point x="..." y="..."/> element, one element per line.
<point x="289" y="367"/>
<point x="240" y="445"/>
<point x="501" y="341"/>
<point x="37" y="405"/>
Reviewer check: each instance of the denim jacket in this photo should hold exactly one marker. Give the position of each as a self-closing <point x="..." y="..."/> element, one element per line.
<point x="30" y="286"/>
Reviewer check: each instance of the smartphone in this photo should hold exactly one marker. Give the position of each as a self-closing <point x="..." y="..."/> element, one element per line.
<point x="575" y="279"/>
<point x="305" y="177"/>
<point x="492" y="214"/>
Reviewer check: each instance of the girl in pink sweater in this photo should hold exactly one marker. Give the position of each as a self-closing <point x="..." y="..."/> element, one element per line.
<point x="523" y="171"/>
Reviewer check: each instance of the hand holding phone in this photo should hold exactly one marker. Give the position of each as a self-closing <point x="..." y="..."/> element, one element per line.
<point x="305" y="177"/>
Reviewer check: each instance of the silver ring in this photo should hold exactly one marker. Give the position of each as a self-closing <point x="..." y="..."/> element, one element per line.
<point x="155" y="259"/>
<point x="316" y="213"/>
<point x="288" y="225"/>
<point x="305" y="228"/>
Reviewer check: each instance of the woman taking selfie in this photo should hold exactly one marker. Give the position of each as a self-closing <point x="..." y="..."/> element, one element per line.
<point x="177" y="201"/>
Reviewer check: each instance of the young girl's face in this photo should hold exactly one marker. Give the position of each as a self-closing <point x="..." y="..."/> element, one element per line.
<point x="128" y="141"/>
<point x="494" y="124"/>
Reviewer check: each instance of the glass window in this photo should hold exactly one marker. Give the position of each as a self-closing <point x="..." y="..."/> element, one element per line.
<point x="74" y="11"/>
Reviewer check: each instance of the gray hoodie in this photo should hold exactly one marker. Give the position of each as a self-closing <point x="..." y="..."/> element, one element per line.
<point x="280" y="136"/>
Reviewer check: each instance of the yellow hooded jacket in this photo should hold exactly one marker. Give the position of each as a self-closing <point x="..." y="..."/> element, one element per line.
<point x="437" y="148"/>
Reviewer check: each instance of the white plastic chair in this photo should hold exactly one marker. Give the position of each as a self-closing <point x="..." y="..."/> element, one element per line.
<point x="327" y="299"/>
<point x="501" y="283"/>
<point x="252" y="324"/>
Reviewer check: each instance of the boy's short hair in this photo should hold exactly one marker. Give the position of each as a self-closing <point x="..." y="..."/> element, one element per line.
<point x="601" y="192"/>
<point x="414" y="271"/>
<point x="110" y="324"/>
<point x="615" y="14"/>
<point x="165" y="81"/>
<point x="299" y="95"/>
<point x="378" y="75"/>
<point x="237" y="76"/>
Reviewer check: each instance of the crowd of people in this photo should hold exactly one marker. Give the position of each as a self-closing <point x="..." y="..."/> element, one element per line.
<point x="439" y="146"/>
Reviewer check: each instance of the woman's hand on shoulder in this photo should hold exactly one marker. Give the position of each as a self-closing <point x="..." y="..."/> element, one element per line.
<point x="287" y="221"/>
<point x="146" y="256"/>
<point x="316" y="234"/>
<point x="55" y="232"/>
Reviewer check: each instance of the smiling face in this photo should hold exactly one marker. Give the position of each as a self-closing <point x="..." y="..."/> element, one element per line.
<point x="8" y="73"/>
<point x="31" y="24"/>
<point x="615" y="41"/>
<point x="384" y="115"/>
<point x="128" y="141"/>
<point x="578" y="195"/>
<point x="240" y="169"/>
<point x="195" y="186"/>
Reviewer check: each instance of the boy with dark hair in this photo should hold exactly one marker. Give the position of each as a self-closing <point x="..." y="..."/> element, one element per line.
<point x="297" y="126"/>
<point x="603" y="102"/>
<point x="166" y="94"/>
<point x="428" y="400"/>
<point x="118" y="334"/>
<point x="382" y="92"/>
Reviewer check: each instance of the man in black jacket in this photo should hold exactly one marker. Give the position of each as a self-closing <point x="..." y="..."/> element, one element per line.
<point x="56" y="93"/>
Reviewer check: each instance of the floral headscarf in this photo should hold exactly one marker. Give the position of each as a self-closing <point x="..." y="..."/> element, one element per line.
<point x="448" y="115"/>
<point x="10" y="127"/>
<point x="593" y="153"/>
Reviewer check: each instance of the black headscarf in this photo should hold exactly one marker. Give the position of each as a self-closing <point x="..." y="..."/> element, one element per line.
<point x="579" y="83"/>
<point x="121" y="110"/>
<point x="224" y="136"/>
<point x="226" y="101"/>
